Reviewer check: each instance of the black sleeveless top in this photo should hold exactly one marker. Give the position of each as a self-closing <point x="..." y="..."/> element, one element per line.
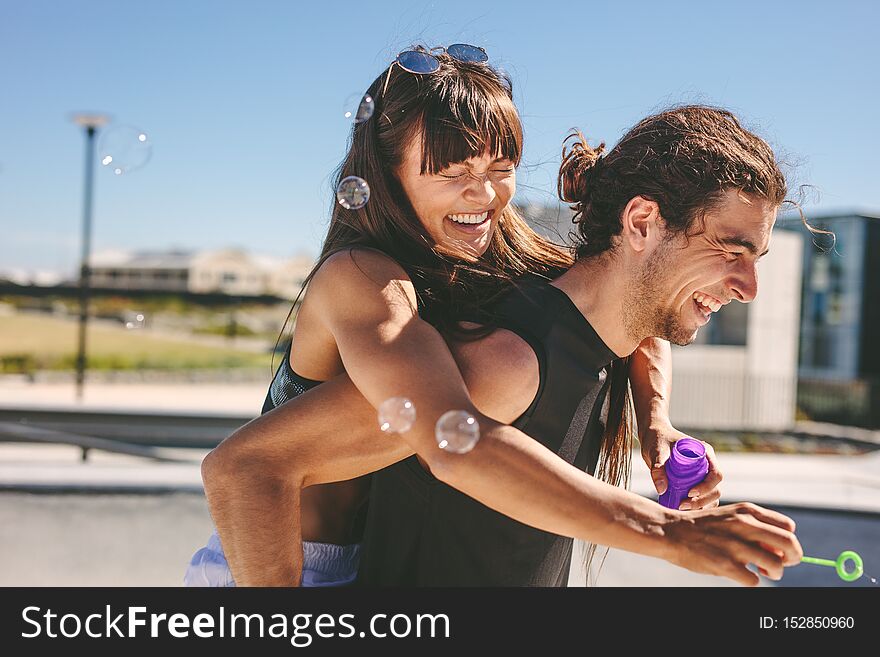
<point x="286" y="385"/>
<point x="422" y="532"/>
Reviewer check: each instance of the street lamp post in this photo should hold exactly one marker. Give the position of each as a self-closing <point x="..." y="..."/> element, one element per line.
<point x="91" y="123"/>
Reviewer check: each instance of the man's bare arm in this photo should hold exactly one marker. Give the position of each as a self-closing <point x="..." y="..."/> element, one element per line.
<point x="651" y="378"/>
<point x="254" y="479"/>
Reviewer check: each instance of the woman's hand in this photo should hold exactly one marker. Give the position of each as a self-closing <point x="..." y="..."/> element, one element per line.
<point x="657" y="443"/>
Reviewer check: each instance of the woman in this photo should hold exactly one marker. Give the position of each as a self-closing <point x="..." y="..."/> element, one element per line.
<point x="439" y="155"/>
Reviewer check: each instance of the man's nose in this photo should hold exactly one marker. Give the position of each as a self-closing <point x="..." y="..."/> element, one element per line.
<point x="744" y="286"/>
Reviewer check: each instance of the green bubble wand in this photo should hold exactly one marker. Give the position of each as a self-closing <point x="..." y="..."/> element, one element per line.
<point x="840" y="565"/>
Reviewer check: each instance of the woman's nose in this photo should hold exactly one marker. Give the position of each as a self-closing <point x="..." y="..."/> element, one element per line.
<point x="480" y="188"/>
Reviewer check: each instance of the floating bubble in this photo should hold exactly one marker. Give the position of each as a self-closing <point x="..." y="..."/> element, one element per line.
<point x="135" y="321"/>
<point x="457" y="432"/>
<point x="124" y="148"/>
<point x="396" y="415"/>
<point x="358" y="108"/>
<point x="353" y="193"/>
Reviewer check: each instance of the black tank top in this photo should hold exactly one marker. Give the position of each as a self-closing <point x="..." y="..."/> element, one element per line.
<point x="287" y="384"/>
<point x="422" y="532"/>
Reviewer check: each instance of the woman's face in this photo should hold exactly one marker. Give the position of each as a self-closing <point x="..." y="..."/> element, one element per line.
<point x="461" y="205"/>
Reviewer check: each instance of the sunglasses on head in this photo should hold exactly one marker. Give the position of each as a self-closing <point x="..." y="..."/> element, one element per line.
<point x="421" y="62"/>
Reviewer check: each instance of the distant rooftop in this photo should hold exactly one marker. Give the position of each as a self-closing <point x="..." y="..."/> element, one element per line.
<point x="142" y="259"/>
<point x="814" y="216"/>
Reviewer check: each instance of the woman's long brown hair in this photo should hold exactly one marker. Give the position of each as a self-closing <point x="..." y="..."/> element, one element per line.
<point x="463" y="110"/>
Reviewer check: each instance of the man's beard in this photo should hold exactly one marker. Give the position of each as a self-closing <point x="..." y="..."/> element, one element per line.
<point x="645" y="314"/>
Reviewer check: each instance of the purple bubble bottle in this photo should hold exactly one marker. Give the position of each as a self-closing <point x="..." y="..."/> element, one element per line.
<point x="687" y="466"/>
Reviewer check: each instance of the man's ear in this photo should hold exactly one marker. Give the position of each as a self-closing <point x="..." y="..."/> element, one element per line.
<point x="642" y="223"/>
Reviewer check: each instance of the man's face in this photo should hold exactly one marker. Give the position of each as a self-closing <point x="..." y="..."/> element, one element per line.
<point x="685" y="280"/>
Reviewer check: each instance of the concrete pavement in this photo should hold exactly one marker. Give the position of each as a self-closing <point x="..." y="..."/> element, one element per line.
<point x="849" y="483"/>
<point x="137" y="520"/>
<point x="813" y="481"/>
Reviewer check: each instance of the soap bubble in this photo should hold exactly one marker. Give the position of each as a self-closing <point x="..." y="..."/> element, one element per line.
<point x="124" y="148"/>
<point x="358" y="107"/>
<point x="135" y="321"/>
<point x="353" y="193"/>
<point x="457" y="432"/>
<point x="396" y="415"/>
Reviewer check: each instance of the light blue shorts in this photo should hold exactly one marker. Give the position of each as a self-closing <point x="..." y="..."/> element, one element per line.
<point x="324" y="564"/>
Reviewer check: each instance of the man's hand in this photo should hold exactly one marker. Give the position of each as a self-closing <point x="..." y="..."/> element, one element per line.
<point x="656" y="445"/>
<point x="723" y="541"/>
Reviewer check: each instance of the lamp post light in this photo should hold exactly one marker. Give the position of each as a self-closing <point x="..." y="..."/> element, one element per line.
<point x="91" y="123"/>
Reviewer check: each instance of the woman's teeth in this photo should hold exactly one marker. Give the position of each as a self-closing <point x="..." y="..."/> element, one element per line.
<point x="469" y="218"/>
<point x="707" y="302"/>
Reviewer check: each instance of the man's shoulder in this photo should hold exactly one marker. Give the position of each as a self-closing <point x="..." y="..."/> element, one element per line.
<point x="530" y="301"/>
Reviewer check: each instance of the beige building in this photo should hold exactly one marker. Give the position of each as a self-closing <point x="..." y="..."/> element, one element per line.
<point x="286" y="279"/>
<point x="226" y="271"/>
<point x="230" y="271"/>
<point x="163" y="271"/>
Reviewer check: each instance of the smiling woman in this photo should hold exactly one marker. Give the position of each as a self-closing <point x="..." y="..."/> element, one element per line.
<point x="461" y="205"/>
<point x="439" y="152"/>
<point x="437" y="241"/>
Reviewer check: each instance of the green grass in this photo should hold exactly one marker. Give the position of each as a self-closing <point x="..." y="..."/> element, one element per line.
<point x="30" y="342"/>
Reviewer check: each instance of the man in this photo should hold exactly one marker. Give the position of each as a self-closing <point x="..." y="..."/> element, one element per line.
<point x="671" y="224"/>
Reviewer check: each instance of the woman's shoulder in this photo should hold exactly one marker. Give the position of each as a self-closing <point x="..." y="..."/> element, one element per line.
<point x="361" y="276"/>
<point x="358" y="261"/>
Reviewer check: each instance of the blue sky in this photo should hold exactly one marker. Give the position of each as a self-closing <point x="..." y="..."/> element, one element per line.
<point x="243" y="102"/>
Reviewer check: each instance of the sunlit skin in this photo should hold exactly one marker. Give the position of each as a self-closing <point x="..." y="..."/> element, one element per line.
<point x="646" y="286"/>
<point x="480" y="184"/>
<point x="719" y="263"/>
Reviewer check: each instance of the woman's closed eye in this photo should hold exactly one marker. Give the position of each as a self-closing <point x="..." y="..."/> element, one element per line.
<point x="499" y="172"/>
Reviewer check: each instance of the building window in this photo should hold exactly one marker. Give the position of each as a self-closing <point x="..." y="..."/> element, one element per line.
<point x="229" y="277"/>
<point x="823" y="353"/>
